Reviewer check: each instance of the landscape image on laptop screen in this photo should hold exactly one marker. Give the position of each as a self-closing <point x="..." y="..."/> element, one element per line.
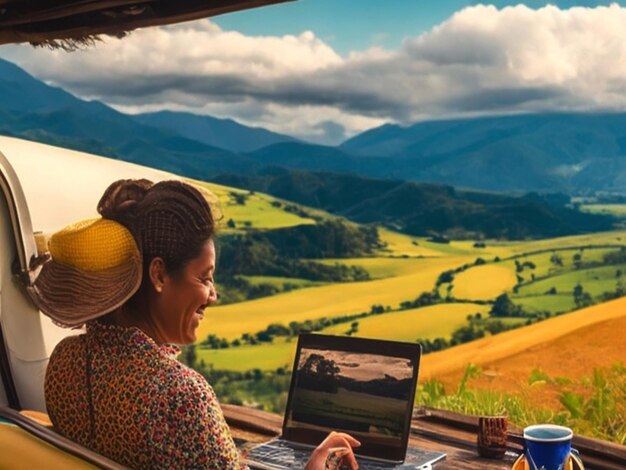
<point x="362" y="394"/>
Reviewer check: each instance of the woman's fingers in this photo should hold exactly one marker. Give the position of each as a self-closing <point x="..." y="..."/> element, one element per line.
<point x="339" y="457"/>
<point x="339" y="445"/>
<point x="341" y="436"/>
<point x="334" y="453"/>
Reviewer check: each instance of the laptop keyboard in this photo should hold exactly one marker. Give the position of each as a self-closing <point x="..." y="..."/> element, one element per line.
<point x="283" y="455"/>
<point x="279" y="454"/>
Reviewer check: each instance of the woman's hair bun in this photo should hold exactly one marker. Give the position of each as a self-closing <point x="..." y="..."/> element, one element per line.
<point x="120" y="198"/>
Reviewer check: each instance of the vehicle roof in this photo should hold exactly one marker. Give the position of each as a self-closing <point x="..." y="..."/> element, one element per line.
<point x="62" y="186"/>
<point x="45" y="22"/>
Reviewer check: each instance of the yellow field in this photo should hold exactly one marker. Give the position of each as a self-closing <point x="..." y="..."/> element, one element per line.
<point x="601" y="238"/>
<point x="408" y="325"/>
<point x="230" y="321"/>
<point x="492" y="249"/>
<point x="483" y="282"/>
<point x="379" y="267"/>
<point x="507" y="345"/>
<point x="400" y="244"/>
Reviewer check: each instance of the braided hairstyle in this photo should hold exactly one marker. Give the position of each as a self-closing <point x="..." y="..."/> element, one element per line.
<point x="171" y="219"/>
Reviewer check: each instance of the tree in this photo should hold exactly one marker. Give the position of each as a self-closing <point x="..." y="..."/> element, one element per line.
<point x="504" y="307"/>
<point x="620" y="287"/>
<point x="239" y="198"/>
<point x="319" y="373"/>
<point x="578" y="260"/>
<point x="446" y="276"/>
<point x="377" y="309"/>
<point x="465" y="334"/>
<point x="581" y="298"/>
<point x="556" y="260"/>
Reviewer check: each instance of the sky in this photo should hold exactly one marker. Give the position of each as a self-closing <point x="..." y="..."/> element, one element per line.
<point x="326" y="70"/>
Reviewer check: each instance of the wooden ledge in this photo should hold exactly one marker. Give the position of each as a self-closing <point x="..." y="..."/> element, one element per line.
<point x="453" y="433"/>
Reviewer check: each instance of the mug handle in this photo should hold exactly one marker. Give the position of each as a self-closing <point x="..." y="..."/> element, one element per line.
<point x="575" y="456"/>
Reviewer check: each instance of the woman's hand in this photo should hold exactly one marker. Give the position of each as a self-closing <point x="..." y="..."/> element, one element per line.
<point x="334" y="453"/>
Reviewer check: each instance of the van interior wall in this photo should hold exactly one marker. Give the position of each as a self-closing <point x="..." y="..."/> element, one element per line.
<point x="23" y="327"/>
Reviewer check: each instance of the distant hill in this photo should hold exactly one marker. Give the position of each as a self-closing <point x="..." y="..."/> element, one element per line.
<point x="33" y="110"/>
<point x="569" y="153"/>
<point x="423" y="208"/>
<point x="565" y="152"/>
<point x="223" y="133"/>
<point x="304" y="156"/>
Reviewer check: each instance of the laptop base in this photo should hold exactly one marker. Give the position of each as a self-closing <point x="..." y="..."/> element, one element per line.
<point x="283" y="455"/>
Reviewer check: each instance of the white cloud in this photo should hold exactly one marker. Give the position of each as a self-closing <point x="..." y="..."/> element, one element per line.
<point x="482" y="60"/>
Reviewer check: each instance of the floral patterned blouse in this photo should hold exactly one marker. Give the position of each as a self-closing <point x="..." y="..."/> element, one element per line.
<point x="148" y="410"/>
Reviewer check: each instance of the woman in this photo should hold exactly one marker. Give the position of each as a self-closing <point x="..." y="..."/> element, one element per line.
<point x="141" y="278"/>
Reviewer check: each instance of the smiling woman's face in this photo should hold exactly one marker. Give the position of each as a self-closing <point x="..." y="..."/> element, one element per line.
<point x="183" y="298"/>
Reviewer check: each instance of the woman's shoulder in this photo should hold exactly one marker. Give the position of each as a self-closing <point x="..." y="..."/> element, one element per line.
<point x="68" y="347"/>
<point x="177" y="378"/>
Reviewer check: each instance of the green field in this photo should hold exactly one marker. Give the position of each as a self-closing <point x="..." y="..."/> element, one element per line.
<point x="616" y="210"/>
<point x="595" y="281"/>
<point x="257" y="212"/>
<point x="545" y="267"/>
<point x="616" y="238"/>
<point x="547" y="303"/>
<point x="265" y="357"/>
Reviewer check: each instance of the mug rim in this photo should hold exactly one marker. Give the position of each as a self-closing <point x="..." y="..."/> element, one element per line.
<point x="567" y="437"/>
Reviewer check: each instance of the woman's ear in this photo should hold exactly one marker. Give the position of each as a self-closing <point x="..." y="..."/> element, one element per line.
<point x="157" y="273"/>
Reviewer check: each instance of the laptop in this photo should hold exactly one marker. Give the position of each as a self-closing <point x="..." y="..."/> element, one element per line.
<point x="363" y="387"/>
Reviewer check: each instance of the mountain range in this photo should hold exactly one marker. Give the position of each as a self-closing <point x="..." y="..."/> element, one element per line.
<point x="570" y="153"/>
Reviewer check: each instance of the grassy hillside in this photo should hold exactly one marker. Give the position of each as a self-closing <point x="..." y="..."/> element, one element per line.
<point x="406" y="325"/>
<point x="252" y="210"/>
<point x="550" y="370"/>
<point x="402" y="269"/>
<point x="617" y="210"/>
<point x="425" y="208"/>
<point x="231" y="321"/>
<point x="490" y="350"/>
<point x="569" y="370"/>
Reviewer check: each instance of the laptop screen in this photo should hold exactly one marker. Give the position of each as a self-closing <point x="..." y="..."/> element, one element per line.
<point x="363" y="387"/>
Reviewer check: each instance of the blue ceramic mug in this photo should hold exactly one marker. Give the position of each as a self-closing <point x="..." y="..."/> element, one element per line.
<point x="547" y="446"/>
